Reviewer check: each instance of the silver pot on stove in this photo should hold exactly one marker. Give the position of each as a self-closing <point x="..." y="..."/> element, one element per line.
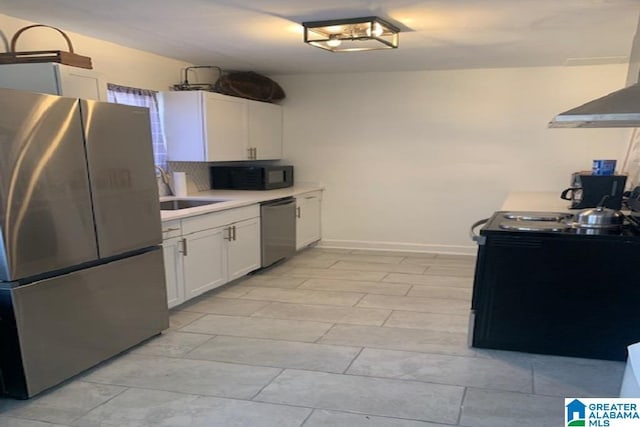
<point x="598" y="218"/>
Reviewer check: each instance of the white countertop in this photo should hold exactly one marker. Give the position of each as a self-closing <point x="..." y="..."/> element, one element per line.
<point x="536" y="201"/>
<point x="233" y="199"/>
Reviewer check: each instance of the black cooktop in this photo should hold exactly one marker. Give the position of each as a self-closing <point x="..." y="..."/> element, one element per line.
<point x="556" y="292"/>
<point x="551" y="223"/>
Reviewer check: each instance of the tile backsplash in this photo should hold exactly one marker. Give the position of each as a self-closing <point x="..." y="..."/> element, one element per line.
<point x="197" y="174"/>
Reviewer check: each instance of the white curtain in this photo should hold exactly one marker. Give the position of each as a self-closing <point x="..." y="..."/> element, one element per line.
<point x="143" y="98"/>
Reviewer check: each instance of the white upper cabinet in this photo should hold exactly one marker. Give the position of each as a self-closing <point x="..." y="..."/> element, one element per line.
<point x="226" y="128"/>
<point x="265" y="130"/>
<point x="54" y="79"/>
<point x="210" y="127"/>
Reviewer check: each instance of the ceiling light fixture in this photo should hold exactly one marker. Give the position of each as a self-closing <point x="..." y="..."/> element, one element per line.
<point x="334" y="42"/>
<point x="351" y="35"/>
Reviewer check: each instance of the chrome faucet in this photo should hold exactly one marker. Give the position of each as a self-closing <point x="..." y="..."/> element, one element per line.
<point x="164" y="177"/>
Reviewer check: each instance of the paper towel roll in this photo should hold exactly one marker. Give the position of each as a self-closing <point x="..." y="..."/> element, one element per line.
<point x="180" y="184"/>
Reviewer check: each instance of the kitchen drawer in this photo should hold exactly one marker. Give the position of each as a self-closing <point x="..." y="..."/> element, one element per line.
<point x="310" y="195"/>
<point x="171" y="229"/>
<point x="219" y="219"/>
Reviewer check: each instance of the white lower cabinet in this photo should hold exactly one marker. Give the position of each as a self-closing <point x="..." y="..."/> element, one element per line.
<point x="308" y="229"/>
<point x="243" y="249"/>
<point x="172" y="250"/>
<point x="211" y="250"/>
<point x="205" y="262"/>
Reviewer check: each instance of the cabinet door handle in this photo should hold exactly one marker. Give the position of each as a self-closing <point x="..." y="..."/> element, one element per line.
<point x="234" y="232"/>
<point x="298" y="212"/>
<point x="250" y="153"/>
<point x="168" y="230"/>
<point x="184" y="246"/>
<point x="228" y="236"/>
<point x="255" y="153"/>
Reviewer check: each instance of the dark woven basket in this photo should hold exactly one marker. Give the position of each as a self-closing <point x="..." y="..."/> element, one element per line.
<point x="250" y="85"/>
<point x="60" y="56"/>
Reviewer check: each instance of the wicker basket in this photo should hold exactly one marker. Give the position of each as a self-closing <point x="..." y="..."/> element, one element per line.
<point x="250" y="85"/>
<point x="62" y="57"/>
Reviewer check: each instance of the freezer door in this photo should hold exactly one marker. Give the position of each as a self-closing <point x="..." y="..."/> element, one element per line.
<point x="69" y="323"/>
<point x="46" y="221"/>
<point x="122" y="175"/>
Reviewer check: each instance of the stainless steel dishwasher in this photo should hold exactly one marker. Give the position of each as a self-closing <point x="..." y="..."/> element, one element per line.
<point x="278" y="230"/>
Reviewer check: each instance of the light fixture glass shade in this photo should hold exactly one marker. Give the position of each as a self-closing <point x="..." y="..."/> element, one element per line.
<point x="351" y="35"/>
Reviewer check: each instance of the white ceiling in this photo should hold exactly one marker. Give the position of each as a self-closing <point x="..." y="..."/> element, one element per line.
<point x="265" y="35"/>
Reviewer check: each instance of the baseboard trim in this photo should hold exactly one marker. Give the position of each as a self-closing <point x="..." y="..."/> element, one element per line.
<point x="398" y="246"/>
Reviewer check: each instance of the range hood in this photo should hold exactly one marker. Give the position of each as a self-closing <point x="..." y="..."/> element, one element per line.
<point x="617" y="110"/>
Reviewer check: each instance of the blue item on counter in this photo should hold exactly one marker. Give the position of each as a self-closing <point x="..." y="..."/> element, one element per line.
<point x="604" y="167"/>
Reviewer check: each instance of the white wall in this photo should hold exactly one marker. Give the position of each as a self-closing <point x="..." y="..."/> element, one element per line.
<point x="634" y="59"/>
<point x="117" y="64"/>
<point x="411" y="159"/>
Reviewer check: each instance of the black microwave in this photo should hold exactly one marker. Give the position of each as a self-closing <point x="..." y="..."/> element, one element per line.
<point x="251" y="177"/>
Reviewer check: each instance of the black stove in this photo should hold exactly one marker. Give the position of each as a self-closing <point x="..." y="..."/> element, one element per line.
<point x="554" y="223"/>
<point x="544" y="286"/>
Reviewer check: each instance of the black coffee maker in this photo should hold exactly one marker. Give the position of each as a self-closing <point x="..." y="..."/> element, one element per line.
<point x="587" y="190"/>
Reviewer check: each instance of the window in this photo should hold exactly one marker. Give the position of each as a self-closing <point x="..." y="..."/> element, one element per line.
<point x="143" y="98"/>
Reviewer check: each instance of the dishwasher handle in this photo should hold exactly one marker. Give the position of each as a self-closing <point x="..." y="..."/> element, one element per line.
<point x="472" y="231"/>
<point x="281" y="202"/>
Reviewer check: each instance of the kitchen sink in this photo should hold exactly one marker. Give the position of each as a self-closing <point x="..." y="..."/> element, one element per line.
<point x="176" y="204"/>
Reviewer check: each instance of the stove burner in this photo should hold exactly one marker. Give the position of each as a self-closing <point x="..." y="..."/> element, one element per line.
<point x="537" y="216"/>
<point x="538" y="225"/>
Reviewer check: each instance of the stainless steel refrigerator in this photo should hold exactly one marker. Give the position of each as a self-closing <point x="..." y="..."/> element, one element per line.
<point x="81" y="268"/>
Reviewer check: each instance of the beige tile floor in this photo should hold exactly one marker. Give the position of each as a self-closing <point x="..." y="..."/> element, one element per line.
<point x="328" y="338"/>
